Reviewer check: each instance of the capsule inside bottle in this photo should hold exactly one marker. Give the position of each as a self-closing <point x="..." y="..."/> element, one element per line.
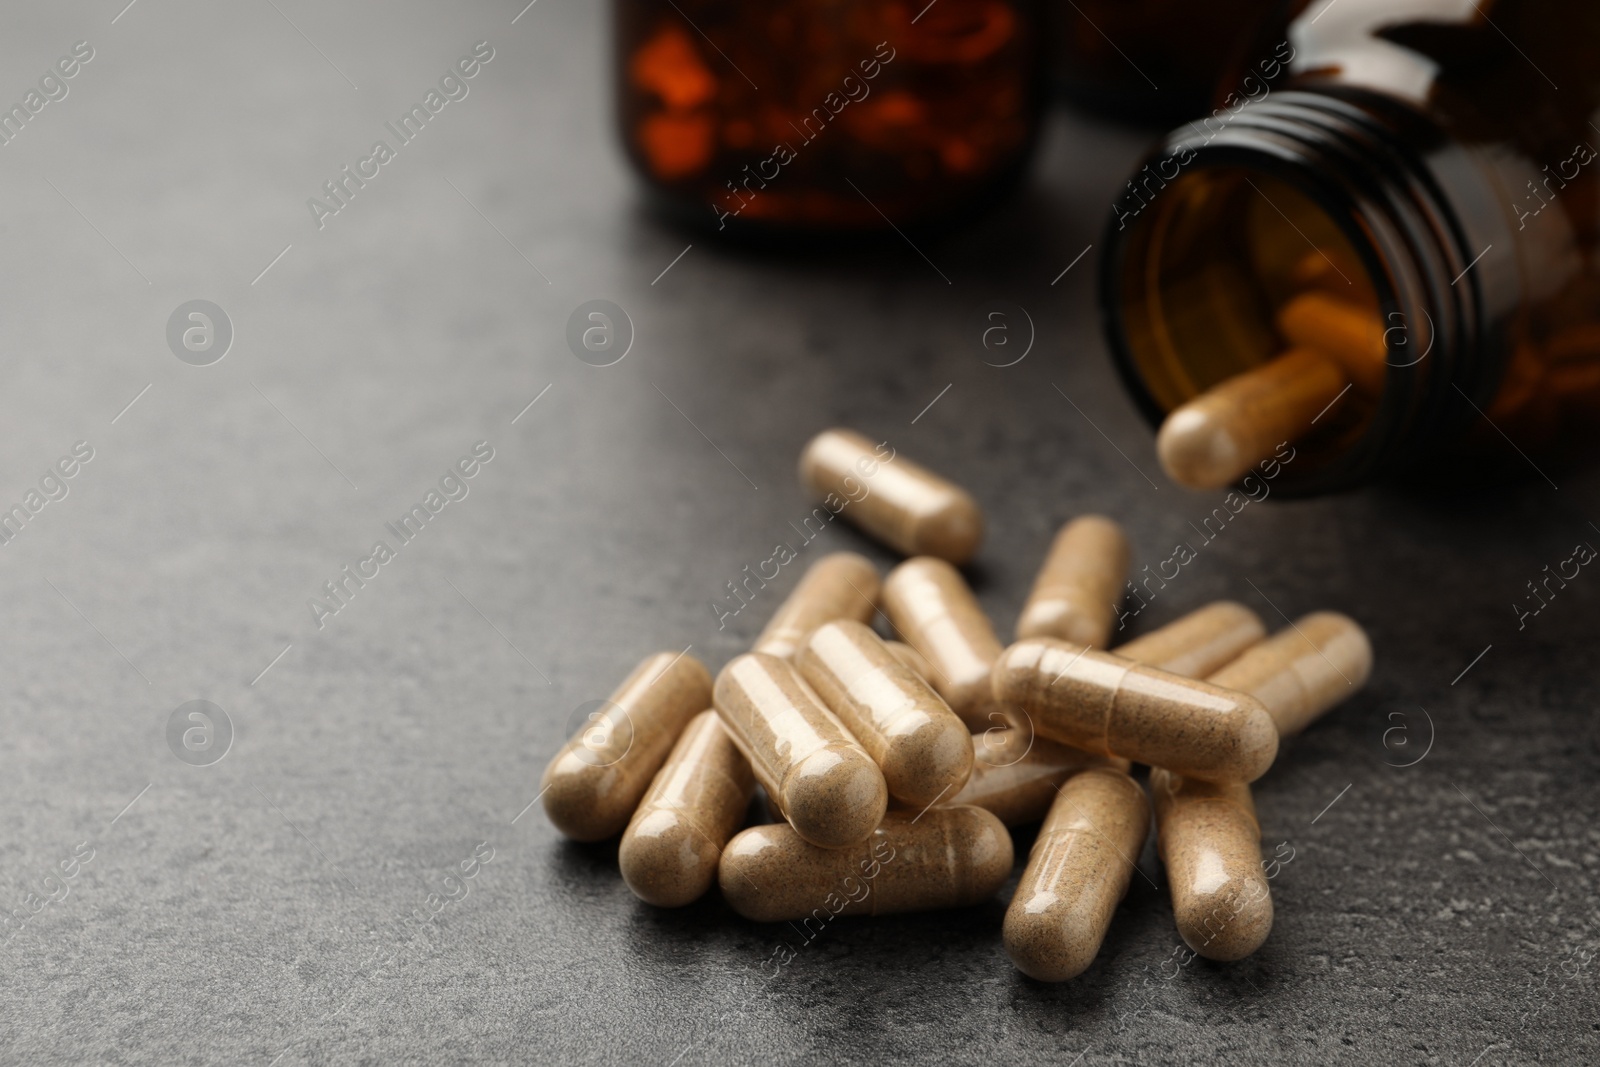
<point x="1216" y="438"/>
<point x="1206" y="298"/>
<point x="1352" y="336"/>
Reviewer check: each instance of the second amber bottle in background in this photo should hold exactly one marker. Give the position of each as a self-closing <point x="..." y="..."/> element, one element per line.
<point x="824" y="117"/>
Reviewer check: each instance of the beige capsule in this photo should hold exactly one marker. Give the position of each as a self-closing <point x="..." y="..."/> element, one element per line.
<point x="1352" y="336"/>
<point x="942" y="858"/>
<point x="1210" y="843"/>
<point x="1327" y="270"/>
<point x="841" y="585"/>
<point x="924" y="750"/>
<point x="1212" y="854"/>
<point x="1102" y="703"/>
<point x="814" y="772"/>
<point x="1076" y="593"/>
<point x="1216" y="438"/>
<point x="916" y="661"/>
<point x="1015" y="776"/>
<point x="1077" y="873"/>
<point x="669" y="851"/>
<point x="594" y="783"/>
<point x="931" y="608"/>
<point x="1302" y="672"/>
<point x="1201" y="642"/>
<point x="906" y="506"/>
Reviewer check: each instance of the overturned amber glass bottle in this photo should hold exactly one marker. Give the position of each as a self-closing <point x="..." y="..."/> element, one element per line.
<point x="1390" y="258"/>
<point x="822" y="117"/>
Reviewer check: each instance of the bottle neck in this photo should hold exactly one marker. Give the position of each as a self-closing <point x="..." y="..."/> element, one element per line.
<point x="1371" y="168"/>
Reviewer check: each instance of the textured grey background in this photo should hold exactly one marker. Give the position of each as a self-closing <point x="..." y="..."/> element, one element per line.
<point x="246" y="912"/>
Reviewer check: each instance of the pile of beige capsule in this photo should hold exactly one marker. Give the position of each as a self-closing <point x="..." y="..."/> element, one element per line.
<point x="898" y="765"/>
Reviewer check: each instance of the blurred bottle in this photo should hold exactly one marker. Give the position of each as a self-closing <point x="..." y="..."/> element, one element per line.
<point x="821" y="117"/>
<point x="1416" y="203"/>
<point x="1150" y="60"/>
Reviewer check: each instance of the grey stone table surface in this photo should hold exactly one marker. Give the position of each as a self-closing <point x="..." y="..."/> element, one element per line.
<point x="1439" y="907"/>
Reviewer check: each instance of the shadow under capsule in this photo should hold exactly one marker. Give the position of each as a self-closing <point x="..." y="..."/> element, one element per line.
<point x="586" y="860"/>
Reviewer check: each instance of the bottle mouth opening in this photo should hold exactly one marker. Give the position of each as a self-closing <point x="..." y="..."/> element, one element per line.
<point x="1278" y="235"/>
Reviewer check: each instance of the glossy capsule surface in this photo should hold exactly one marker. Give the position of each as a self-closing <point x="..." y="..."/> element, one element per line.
<point x="1216" y="438"/>
<point x="1210" y="844"/>
<point x="592" y="786"/>
<point x="906" y="506"/>
<point x="1300" y="673"/>
<point x="930" y="607"/>
<point x="1076" y="593"/>
<point x="1352" y="336"/>
<point x="840" y="585"/>
<point x="1077" y="873"/>
<point x="946" y="857"/>
<point x="814" y="772"/>
<point x="916" y="661"/>
<point x="1015" y="773"/>
<point x="670" y="850"/>
<point x="1201" y="642"/>
<point x="1015" y="776"/>
<point x="924" y="750"/>
<point x="1103" y="703"/>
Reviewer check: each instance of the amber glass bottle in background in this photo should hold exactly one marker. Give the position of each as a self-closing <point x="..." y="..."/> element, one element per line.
<point x="1149" y="60"/>
<point x="820" y="117"/>
<point x="1416" y="205"/>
